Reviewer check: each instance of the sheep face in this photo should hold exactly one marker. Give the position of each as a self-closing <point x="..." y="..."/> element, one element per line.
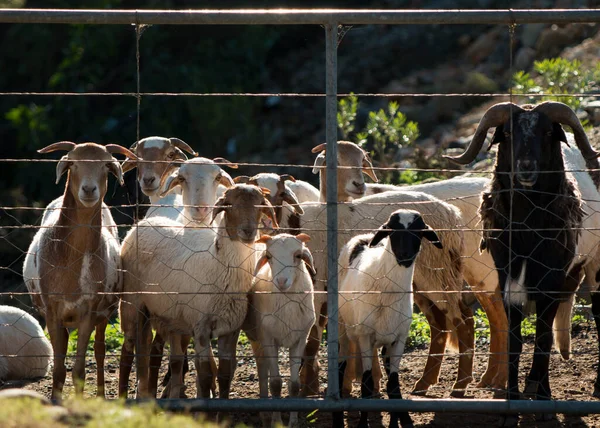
<point x="285" y="254"/>
<point x="199" y="179"/>
<point x="88" y="165"/>
<point x="533" y="146"/>
<point x="244" y="205"/>
<point x="156" y="154"/>
<point x="351" y="182"/>
<point x="280" y="193"/>
<point x="405" y="229"/>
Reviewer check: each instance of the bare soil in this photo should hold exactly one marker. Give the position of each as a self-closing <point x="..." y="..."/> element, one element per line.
<point x="570" y="380"/>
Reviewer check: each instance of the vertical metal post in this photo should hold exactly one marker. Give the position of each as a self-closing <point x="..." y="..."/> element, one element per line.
<point x="333" y="387"/>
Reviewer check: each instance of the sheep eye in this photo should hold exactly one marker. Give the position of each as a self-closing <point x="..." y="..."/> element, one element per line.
<point x="268" y="256"/>
<point x="549" y="134"/>
<point x="506" y="134"/>
<point x="181" y="179"/>
<point x="171" y="155"/>
<point x="282" y="194"/>
<point x="218" y="177"/>
<point x="298" y="256"/>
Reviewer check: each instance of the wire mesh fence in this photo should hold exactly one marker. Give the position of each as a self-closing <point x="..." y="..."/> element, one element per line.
<point x="264" y="281"/>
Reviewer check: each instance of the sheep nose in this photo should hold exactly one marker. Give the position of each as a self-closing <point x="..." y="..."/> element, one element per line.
<point x="88" y="189"/>
<point x="359" y="186"/>
<point x="281" y="282"/>
<point x="149" y="180"/>
<point x="526" y="165"/>
<point x="248" y="231"/>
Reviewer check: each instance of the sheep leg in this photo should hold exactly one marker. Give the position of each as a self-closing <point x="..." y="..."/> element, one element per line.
<point x="538" y="381"/>
<point x="275" y="383"/>
<point x="156" y="354"/>
<point x="393" y="354"/>
<point x="310" y="363"/>
<point x="59" y="337"/>
<point x="515" y="346"/>
<point x="596" y="314"/>
<point x="204" y="376"/>
<point x="294" y="385"/>
<point x="144" y="337"/>
<point x="227" y="361"/>
<point x="366" y="385"/>
<point x="496" y="374"/>
<point x="83" y="339"/>
<point x="176" y="364"/>
<point x="437" y="346"/>
<point x="354" y="367"/>
<point x="263" y="378"/>
<point x="100" y="353"/>
<point x="465" y="330"/>
<point x="128" y="326"/>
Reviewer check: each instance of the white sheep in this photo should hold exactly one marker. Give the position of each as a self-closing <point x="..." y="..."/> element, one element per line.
<point x="376" y="296"/>
<point x="76" y="256"/>
<point x="281" y="312"/>
<point x="207" y="274"/>
<point x="25" y="353"/>
<point x="196" y="182"/>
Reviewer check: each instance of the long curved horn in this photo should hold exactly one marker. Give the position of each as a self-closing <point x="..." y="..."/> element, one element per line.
<point x="319" y="148"/>
<point x="61" y="145"/>
<point x="286" y="177"/>
<point x="115" y="148"/>
<point x="562" y="113"/>
<point x="494" y="116"/>
<point x="182" y="145"/>
<point x="243" y="179"/>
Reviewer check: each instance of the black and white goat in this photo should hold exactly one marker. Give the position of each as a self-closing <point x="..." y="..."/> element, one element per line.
<point x="382" y="266"/>
<point x="532" y="217"/>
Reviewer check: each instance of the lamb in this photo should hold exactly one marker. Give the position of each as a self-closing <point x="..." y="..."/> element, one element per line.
<point x="76" y="256"/>
<point x="156" y="156"/>
<point x="25" y="353"/>
<point x="463" y="193"/>
<point x="207" y="273"/>
<point x="196" y="182"/>
<point x="378" y="263"/>
<point x="532" y="225"/>
<point x="281" y="312"/>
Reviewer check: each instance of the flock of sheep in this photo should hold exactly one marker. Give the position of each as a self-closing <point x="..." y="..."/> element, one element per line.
<point x="216" y="255"/>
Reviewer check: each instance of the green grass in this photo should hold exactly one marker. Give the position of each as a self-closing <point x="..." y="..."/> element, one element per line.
<point x="92" y="413"/>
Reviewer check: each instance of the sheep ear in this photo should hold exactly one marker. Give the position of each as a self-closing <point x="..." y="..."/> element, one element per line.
<point x="226" y="179"/>
<point x="430" y="234"/>
<point x="263" y="239"/>
<point x="269" y="212"/>
<point x="219" y="206"/>
<point x="128" y="165"/>
<point x="62" y="166"/>
<point x="319" y="161"/>
<point x="559" y="133"/>
<point x="115" y="168"/>
<point x="265" y="191"/>
<point x="259" y="265"/>
<point x="379" y="236"/>
<point x="368" y="168"/>
<point x="308" y="260"/>
<point x="290" y="198"/>
<point x="223" y="161"/>
<point x="241" y="179"/>
<point x="482" y="246"/>
<point x="171" y="182"/>
<point x="303" y="237"/>
<point x="320" y="148"/>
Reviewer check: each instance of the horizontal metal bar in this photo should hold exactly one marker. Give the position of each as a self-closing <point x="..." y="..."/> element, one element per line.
<point x="298" y="16"/>
<point x="383" y="405"/>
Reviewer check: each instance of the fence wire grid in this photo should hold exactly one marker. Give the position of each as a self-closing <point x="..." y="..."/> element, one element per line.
<point x="267" y="282"/>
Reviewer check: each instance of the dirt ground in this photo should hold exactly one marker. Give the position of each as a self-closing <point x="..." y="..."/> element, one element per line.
<point x="570" y="380"/>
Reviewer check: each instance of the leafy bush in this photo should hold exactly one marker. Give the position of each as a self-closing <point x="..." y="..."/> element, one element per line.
<point x="557" y="77"/>
<point x="386" y="132"/>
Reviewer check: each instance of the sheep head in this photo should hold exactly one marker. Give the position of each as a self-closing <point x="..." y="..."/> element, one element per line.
<point x="529" y="139"/>
<point x="284" y="254"/>
<point x="199" y="180"/>
<point x="157" y="156"/>
<point x="406" y="229"/>
<point x="244" y="205"/>
<point x="88" y="165"/>
<point x="354" y="162"/>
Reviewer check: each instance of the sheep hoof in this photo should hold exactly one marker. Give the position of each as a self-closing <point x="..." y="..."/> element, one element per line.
<point x="596" y="392"/>
<point x="545" y="417"/>
<point x="531" y="389"/>
<point x="509" y="421"/>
